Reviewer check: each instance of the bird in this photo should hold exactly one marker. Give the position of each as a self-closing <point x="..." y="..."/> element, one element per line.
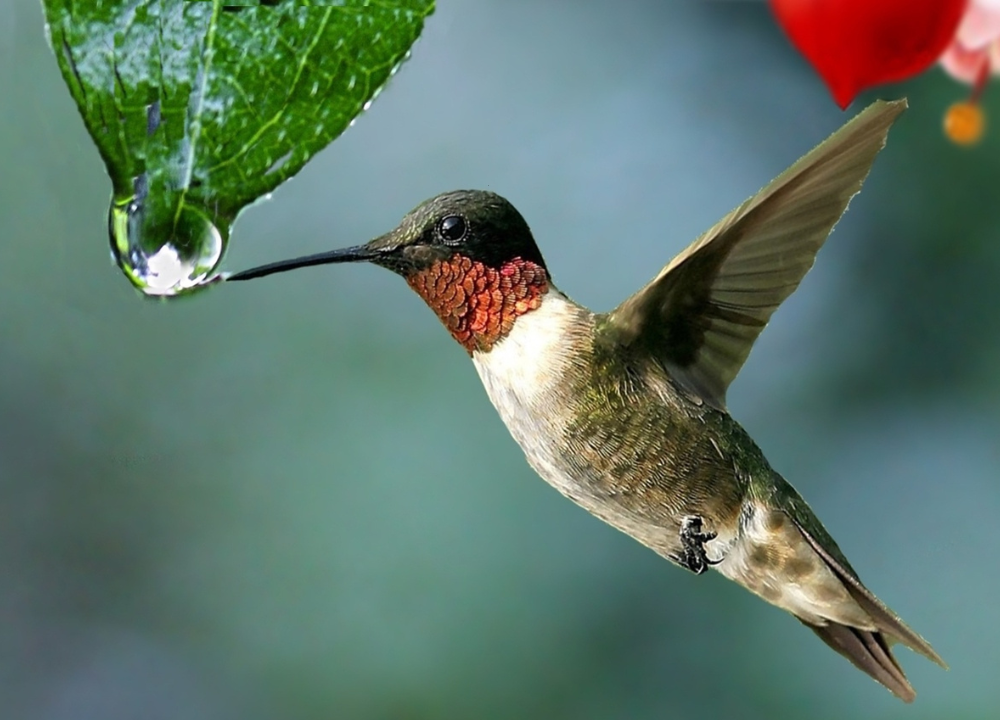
<point x="624" y="412"/>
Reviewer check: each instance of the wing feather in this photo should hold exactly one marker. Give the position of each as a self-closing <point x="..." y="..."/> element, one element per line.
<point x="701" y="315"/>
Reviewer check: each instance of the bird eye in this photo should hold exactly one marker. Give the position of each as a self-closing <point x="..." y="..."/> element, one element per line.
<point x="452" y="228"/>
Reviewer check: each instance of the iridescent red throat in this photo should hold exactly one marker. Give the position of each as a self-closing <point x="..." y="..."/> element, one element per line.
<point x="479" y="304"/>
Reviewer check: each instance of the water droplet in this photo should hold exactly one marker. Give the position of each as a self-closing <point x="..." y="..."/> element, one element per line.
<point x="276" y="165"/>
<point x="152" y="117"/>
<point x="163" y="251"/>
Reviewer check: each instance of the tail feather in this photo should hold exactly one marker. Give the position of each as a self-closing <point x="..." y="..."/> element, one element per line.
<point x="869" y="652"/>
<point x="886" y="621"/>
<point x="784" y="555"/>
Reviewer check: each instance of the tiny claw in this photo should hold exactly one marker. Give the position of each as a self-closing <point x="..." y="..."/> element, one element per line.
<point x="693" y="542"/>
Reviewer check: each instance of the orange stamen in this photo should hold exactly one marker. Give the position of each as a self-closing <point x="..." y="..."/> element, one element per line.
<point x="965" y="122"/>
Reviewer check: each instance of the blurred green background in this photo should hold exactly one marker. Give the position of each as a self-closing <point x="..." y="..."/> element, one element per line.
<point x="292" y="499"/>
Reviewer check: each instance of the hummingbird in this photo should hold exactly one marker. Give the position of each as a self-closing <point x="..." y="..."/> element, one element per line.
<point x="624" y="412"/>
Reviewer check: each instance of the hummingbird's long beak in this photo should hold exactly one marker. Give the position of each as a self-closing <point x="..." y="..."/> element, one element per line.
<point x="357" y="253"/>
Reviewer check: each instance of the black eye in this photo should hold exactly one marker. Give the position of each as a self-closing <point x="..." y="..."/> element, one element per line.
<point x="452" y="228"/>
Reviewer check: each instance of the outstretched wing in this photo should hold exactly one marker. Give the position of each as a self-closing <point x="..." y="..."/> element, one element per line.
<point x="701" y="315"/>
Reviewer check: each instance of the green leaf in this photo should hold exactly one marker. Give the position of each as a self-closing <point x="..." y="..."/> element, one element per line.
<point x="200" y="108"/>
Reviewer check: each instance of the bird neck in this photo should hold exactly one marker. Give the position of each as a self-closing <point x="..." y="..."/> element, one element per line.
<point x="479" y="304"/>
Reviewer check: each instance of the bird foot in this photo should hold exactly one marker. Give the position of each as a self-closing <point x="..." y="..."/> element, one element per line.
<point x="693" y="540"/>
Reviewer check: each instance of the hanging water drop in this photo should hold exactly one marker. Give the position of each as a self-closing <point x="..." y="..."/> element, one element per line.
<point x="165" y="251"/>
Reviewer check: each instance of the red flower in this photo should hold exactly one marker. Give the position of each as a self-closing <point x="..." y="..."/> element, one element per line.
<point x="856" y="44"/>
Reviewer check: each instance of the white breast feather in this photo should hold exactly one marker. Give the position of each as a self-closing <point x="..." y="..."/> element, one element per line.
<point x="522" y="373"/>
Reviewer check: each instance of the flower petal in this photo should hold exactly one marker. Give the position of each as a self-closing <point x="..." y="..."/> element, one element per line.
<point x="979" y="26"/>
<point x="856" y="44"/>
<point x="964" y="64"/>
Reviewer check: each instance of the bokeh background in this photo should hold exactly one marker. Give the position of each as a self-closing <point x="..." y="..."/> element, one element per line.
<point x="292" y="499"/>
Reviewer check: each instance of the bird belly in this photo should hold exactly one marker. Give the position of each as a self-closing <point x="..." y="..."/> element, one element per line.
<point x="645" y="511"/>
<point x="532" y="377"/>
<point x="534" y="432"/>
<point x="525" y="376"/>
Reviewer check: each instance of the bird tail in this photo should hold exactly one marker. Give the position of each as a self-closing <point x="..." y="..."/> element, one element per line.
<point x="869" y="650"/>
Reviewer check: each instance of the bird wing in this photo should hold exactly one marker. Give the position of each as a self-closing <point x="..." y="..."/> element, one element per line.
<point x="701" y="315"/>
